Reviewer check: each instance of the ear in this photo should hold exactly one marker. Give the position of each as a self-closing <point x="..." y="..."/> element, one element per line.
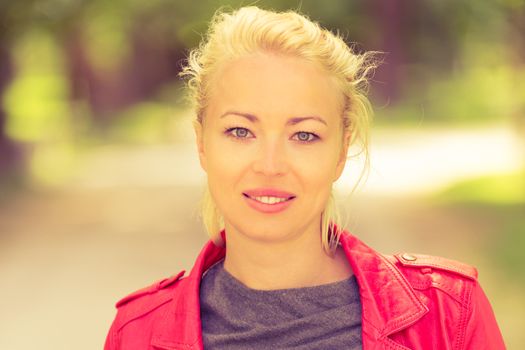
<point x="342" y="157"/>
<point x="200" y="143"/>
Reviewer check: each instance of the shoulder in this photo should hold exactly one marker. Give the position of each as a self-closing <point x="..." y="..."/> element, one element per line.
<point x="140" y="296"/>
<point x="145" y="300"/>
<point x="424" y="272"/>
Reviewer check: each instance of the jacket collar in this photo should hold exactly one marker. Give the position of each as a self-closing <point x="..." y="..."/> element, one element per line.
<point x="389" y="303"/>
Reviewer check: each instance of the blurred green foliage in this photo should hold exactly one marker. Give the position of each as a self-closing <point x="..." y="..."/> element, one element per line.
<point x="498" y="201"/>
<point x="507" y="250"/>
<point x="37" y="100"/>
<point x="498" y="190"/>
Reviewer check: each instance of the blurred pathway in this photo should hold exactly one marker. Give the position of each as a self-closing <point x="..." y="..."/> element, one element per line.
<point x="422" y="161"/>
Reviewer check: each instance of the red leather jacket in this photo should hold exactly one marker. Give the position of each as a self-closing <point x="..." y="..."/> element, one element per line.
<point x="409" y="301"/>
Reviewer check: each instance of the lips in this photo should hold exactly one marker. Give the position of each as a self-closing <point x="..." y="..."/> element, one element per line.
<point x="268" y="200"/>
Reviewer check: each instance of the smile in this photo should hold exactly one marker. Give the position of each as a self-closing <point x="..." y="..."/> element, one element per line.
<point x="268" y="200"/>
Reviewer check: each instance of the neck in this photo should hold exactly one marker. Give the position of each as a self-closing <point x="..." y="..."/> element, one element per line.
<point x="299" y="261"/>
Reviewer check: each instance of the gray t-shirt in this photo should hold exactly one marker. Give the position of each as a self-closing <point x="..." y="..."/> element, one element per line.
<point x="237" y="317"/>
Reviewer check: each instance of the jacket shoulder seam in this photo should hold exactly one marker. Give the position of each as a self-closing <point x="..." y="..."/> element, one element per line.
<point x="151" y="289"/>
<point x="437" y="262"/>
<point x="435" y="276"/>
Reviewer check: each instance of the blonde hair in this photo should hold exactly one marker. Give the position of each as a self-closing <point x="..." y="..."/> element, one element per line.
<point x="251" y="30"/>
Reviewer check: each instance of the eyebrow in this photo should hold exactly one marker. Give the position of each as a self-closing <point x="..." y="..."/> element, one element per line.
<point x="291" y="121"/>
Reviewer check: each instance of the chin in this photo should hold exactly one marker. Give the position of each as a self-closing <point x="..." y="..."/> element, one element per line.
<point x="269" y="230"/>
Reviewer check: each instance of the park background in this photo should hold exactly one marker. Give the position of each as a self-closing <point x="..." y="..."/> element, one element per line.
<point x="100" y="181"/>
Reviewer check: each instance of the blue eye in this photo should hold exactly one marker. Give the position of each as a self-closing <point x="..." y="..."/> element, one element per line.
<point x="306" y="137"/>
<point x="239" y="133"/>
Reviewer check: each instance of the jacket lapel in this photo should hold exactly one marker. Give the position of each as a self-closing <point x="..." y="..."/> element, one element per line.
<point x="389" y="304"/>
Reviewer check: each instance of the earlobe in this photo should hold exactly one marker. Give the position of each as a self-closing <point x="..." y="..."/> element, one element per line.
<point x="197" y="126"/>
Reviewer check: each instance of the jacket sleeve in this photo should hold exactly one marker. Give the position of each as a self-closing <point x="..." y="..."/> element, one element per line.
<point x="482" y="331"/>
<point x="111" y="343"/>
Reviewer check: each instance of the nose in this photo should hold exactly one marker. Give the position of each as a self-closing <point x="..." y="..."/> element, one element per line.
<point x="271" y="158"/>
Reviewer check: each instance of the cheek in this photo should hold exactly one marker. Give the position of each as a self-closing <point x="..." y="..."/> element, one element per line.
<point x="225" y="162"/>
<point x="222" y="179"/>
<point x="318" y="165"/>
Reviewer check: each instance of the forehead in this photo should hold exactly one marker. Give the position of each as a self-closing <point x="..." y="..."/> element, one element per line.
<point x="275" y="86"/>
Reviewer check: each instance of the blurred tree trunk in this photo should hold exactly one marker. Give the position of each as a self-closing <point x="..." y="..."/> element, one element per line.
<point x="157" y="58"/>
<point x="86" y="82"/>
<point x="410" y="35"/>
<point x="389" y="15"/>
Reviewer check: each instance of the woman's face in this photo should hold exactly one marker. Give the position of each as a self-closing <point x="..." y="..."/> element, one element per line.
<point x="272" y="145"/>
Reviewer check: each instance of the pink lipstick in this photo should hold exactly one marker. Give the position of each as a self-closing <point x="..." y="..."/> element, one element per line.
<point x="268" y="200"/>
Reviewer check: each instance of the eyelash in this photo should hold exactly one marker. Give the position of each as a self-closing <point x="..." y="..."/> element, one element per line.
<point x="314" y="136"/>
<point x="229" y="133"/>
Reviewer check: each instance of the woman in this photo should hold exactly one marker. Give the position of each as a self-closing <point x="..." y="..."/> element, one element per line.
<point x="278" y="101"/>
